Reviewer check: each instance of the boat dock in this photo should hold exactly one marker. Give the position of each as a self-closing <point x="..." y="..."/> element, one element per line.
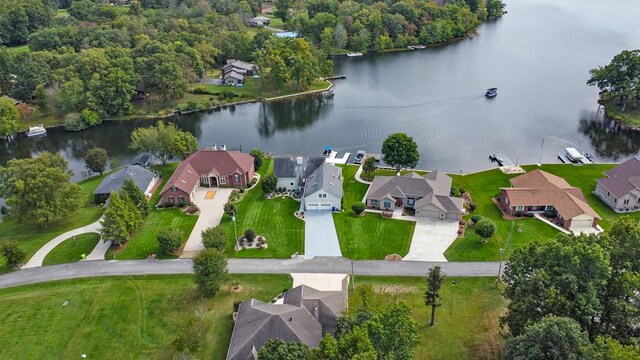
<point x="336" y="77"/>
<point x="333" y="159"/>
<point x="501" y="160"/>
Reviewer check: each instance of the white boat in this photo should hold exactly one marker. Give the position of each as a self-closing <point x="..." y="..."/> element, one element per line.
<point x="354" y="54"/>
<point x="417" y="47"/>
<point x="573" y="155"/>
<point x="36" y="130"/>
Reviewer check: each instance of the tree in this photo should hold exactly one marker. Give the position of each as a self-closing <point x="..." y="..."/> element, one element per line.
<point x="12" y="253"/>
<point x="120" y="219"/>
<point x="276" y="349"/>
<point x="258" y="158"/>
<point x="95" y="160"/>
<point x="169" y="240"/>
<point x="40" y="98"/>
<point x="137" y="196"/>
<point x="37" y="190"/>
<point x="215" y="238"/>
<point x="485" y="228"/>
<point x="435" y="280"/>
<point x="606" y="348"/>
<point x="621" y="78"/>
<point x="184" y="144"/>
<point x="357" y="344"/>
<point x="369" y="165"/>
<point x="400" y="151"/>
<point x="358" y="207"/>
<point x="210" y="268"/>
<point x="9" y="117"/>
<point x="71" y="96"/>
<point x="551" y="338"/>
<point x="73" y="122"/>
<point x="269" y="183"/>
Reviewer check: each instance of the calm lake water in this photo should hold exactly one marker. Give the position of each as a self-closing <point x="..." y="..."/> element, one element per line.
<point x="538" y="55"/>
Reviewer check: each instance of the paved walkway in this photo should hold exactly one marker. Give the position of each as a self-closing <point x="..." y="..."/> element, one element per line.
<point x="37" y="259"/>
<point x="211" y="212"/>
<point x="359" y="178"/>
<point x="333" y="265"/>
<point x="320" y="237"/>
<point x="100" y="250"/>
<point x="431" y="238"/>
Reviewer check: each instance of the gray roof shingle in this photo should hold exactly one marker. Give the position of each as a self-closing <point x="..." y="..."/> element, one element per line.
<point x="141" y="176"/>
<point x="622" y="179"/>
<point x="326" y="177"/>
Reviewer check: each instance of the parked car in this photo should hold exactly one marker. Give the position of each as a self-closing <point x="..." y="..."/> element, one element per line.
<point x="359" y="157"/>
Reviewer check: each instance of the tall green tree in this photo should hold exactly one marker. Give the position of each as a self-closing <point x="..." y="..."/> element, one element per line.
<point x="95" y="160"/>
<point x="210" y="269"/>
<point x="137" y="196"/>
<point x="400" y="151"/>
<point x="620" y="78"/>
<point x="258" y="158"/>
<point x="120" y="219"/>
<point x="369" y="165"/>
<point x="9" y="117"/>
<point x="276" y="349"/>
<point x="184" y="144"/>
<point x="435" y="280"/>
<point x="37" y="190"/>
<point x="485" y="228"/>
<point x="164" y="140"/>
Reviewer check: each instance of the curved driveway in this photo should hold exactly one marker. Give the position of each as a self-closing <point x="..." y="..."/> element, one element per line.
<point x="331" y="265"/>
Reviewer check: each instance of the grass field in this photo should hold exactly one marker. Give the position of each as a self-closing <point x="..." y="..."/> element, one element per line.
<point x="71" y="250"/>
<point x="144" y="240"/>
<point x="31" y="237"/>
<point x="271" y="218"/>
<point x="252" y="89"/>
<point x="368" y="237"/>
<point x="466" y="323"/>
<point x="121" y="318"/>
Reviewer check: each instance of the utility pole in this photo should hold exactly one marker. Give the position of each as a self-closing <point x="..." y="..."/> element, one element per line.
<point x="235" y="228"/>
<point x="541" y="147"/>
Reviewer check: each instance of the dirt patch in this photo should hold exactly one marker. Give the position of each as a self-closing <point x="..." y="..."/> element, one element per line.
<point x="491" y="346"/>
<point x="393" y="289"/>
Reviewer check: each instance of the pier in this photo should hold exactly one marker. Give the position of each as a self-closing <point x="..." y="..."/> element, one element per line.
<point x="336" y="77"/>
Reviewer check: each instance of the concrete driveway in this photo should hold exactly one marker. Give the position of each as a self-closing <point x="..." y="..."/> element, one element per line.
<point x="431" y="238"/>
<point x="211" y="211"/>
<point x="320" y="237"/>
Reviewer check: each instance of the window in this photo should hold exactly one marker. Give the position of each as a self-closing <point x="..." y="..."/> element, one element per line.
<point x="548" y="207"/>
<point x="387" y="204"/>
<point x="236" y="178"/>
<point x="181" y="199"/>
<point x="320" y="196"/>
<point x="608" y="193"/>
<point x="172" y="200"/>
<point x="519" y="208"/>
<point x="374" y="202"/>
<point x="626" y="201"/>
<point x="411" y="202"/>
<point x="223" y="180"/>
<point x="174" y="189"/>
<point x="204" y="180"/>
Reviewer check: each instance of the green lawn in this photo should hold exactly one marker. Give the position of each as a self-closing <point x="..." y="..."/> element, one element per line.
<point x="271" y="218"/>
<point x="369" y="237"/>
<point x="121" y="317"/>
<point x="31" y="237"/>
<point x="467" y="323"/>
<point x="252" y="89"/>
<point x="630" y="117"/>
<point x="71" y="250"/>
<point x="144" y="240"/>
<point x="19" y="49"/>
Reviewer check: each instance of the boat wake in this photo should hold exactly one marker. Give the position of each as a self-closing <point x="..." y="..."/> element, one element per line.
<point x="410" y="105"/>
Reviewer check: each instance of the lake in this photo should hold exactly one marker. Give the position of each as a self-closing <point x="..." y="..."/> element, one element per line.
<point x="538" y="56"/>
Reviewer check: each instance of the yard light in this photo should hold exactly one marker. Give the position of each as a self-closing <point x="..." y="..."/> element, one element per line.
<point x="235" y="228"/>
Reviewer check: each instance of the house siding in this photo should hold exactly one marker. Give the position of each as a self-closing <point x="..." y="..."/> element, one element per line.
<point x="313" y="202"/>
<point x="286" y="183"/>
<point x="176" y="195"/>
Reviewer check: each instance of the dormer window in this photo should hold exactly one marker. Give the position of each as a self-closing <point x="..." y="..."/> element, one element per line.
<point x="174" y="188"/>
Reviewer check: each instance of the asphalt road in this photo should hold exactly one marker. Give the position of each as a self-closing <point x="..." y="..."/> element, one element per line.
<point x="85" y="269"/>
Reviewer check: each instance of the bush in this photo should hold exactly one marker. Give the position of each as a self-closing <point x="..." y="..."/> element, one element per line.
<point x="358" y="207"/>
<point x="529" y="215"/>
<point x="550" y="214"/>
<point x="485" y="228"/>
<point x="452" y="192"/>
<point x="90" y="118"/>
<point x="192" y="209"/>
<point x="475" y="218"/>
<point x="215" y="238"/>
<point x="472" y="206"/>
<point x="191" y="336"/>
<point x="269" y="183"/>
<point x="249" y="235"/>
<point x="203" y="90"/>
<point x="169" y="240"/>
<point x="229" y="209"/>
<point x="74" y="122"/>
<point x="462" y="191"/>
<point x="12" y="253"/>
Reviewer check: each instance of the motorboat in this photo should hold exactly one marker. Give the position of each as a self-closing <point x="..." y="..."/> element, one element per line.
<point x="327" y="151"/>
<point x="36" y="130"/>
<point x="491" y="93"/>
<point x="359" y="157"/>
<point x="354" y="54"/>
<point x="416" y="47"/>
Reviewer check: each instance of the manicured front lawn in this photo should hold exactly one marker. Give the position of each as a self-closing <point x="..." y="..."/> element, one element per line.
<point x="467" y="324"/>
<point x="71" y="250"/>
<point x="372" y="237"/>
<point x="368" y="237"/>
<point x="121" y="317"/>
<point x="31" y="237"/>
<point x="271" y="218"/>
<point x="144" y="240"/>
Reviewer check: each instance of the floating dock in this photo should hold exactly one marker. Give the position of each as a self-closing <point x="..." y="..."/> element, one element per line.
<point x="337" y="77"/>
<point x="333" y="159"/>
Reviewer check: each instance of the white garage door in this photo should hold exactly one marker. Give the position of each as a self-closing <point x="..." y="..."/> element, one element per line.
<point x="581" y="223"/>
<point x="312" y="206"/>
<point x="325" y="206"/>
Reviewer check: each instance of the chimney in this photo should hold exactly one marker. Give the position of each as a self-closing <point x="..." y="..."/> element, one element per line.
<point x="223" y="147"/>
<point x="214" y="147"/>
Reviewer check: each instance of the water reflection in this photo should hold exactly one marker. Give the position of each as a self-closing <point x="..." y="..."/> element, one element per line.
<point x="609" y="138"/>
<point x="290" y="115"/>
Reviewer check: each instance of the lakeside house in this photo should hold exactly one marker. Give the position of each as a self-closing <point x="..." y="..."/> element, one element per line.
<point x="620" y="189"/>
<point x="266" y="8"/>
<point x="208" y="168"/>
<point x="144" y="179"/>
<point x="292" y="172"/>
<point x="259" y="21"/>
<point x="234" y="71"/>
<point x="544" y="193"/>
<point x="303" y="314"/>
<point x="428" y="196"/>
<point x="323" y="189"/>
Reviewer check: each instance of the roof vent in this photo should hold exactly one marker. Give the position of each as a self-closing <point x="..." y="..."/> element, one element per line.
<point x="184" y="182"/>
<point x="299" y="160"/>
<point x="214" y="147"/>
<point x="223" y="147"/>
<point x="189" y="171"/>
<point x="290" y="319"/>
<point x="330" y="183"/>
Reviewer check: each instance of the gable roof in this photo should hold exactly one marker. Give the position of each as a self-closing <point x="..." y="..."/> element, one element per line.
<point x="141" y="177"/>
<point x="142" y="159"/>
<point x="622" y="179"/>
<point x="208" y="161"/>
<point x="304" y="315"/>
<point x="539" y="188"/>
<point x="288" y="167"/>
<point x="234" y="75"/>
<point x="326" y="177"/>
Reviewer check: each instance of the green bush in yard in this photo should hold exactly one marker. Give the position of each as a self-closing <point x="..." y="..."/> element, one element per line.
<point x="476" y="218"/>
<point x="169" y="240"/>
<point x="215" y="238"/>
<point x="358" y="207"/>
<point x="12" y="253"/>
<point x="210" y="269"/>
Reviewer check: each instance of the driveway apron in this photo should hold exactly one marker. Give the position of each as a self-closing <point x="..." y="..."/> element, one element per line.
<point x="431" y="238"/>
<point x="320" y="237"/>
<point x="211" y="203"/>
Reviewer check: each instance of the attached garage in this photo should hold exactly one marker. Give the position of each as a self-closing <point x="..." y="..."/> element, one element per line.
<point x="323" y="189"/>
<point x="581" y="222"/>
